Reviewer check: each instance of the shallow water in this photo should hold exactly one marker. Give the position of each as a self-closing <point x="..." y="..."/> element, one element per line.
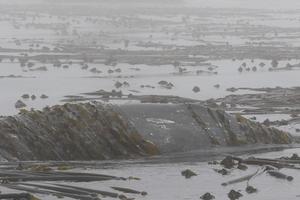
<point x="164" y="181"/>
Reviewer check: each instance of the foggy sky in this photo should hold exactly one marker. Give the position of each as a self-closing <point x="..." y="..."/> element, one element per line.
<point x="252" y="4"/>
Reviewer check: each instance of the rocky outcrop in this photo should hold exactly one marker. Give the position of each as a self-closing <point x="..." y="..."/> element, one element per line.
<point x="93" y="131"/>
<point x="89" y="131"/>
<point x="186" y="127"/>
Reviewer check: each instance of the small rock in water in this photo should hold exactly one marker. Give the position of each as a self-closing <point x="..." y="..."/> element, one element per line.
<point x="228" y="162"/>
<point x="43" y="96"/>
<point x="207" y="196"/>
<point x="250" y="189"/>
<point x="233" y="195"/>
<point x="33" y="97"/>
<point x="143" y="193"/>
<point x="188" y="173"/>
<point x="295" y="157"/>
<point x="25" y="96"/>
<point x="20" y="104"/>
<point x="217" y="86"/>
<point x="213" y="162"/>
<point x="242" y="167"/>
<point x="222" y="171"/>
<point x="196" y="89"/>
<point x="118" y="84"/>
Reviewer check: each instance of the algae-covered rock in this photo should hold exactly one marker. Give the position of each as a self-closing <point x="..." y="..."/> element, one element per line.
<point x="90" y="131"/>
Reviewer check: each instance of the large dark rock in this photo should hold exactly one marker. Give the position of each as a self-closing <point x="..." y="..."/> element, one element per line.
<point x="186" y="127"/>
<point x="93" y="131"/>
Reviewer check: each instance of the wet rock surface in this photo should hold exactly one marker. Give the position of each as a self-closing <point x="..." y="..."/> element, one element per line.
<point x="186" y="127"/>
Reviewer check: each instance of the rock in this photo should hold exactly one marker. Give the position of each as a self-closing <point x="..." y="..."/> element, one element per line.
<point x="43" y="96"/>
<point x="33" y="97"/>
<point x="228" y="162"/>
<point x="20" y="167"/>
<point x="253" y="118"/>
<point x="118" y="70"/>
<point x="65" y="66"/>
<point x="118" y="84"/>
<point x="194" y="121"/>
<point x="133" y="178"/>
<point x="20" y="104"/>
<point x="143" y="193"/>
<point x="188" y="173"/>
<point x="90" y="131"/>
<point x="162" y="82"/>
<point x="165" y="84"/>
<point x="217" y="86"/>
<point x="213" y="162"/>
<point x="207" y="196"/>
<point x="233" y="195"/>
<point x="232" y="89"/>
<point x="41" y="69"/>
<point x="250" y="189"/>
<point x="274" y="63"/>
<point x="30" y="64"/>
<point x="25" y="96"/>
<point x="262" y="64"/>
<point x="267" y="122"/>
<point x="242" y="167"/>
<point x="95" y="70"/>
<point x="85" y="67"/>
<point x="126" y="84"/>
<point x="222" y="171"/>
<point x="295" y="157"/>
<point x="196" y="89"/>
